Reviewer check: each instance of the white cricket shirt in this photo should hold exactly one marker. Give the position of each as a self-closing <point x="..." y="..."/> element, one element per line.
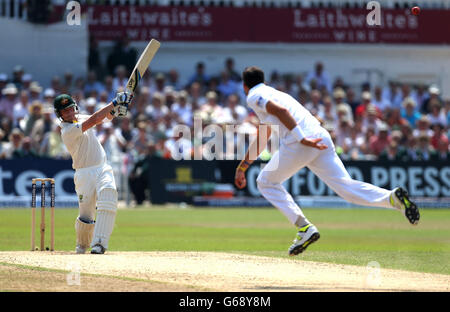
<point x="259" y="95"/>
<point x="85" y="148"/>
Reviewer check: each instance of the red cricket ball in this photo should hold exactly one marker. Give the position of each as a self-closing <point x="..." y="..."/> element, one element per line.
<point x="415" y="10"/>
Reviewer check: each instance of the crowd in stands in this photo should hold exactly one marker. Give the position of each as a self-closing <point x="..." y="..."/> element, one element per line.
<point x="392" y="122"/>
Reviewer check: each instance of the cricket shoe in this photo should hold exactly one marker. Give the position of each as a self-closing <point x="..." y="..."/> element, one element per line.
<point x="305" y="236"/>
<point x="98" y="249"/>
<point x="80" y="250"/>
<point x="400" y="200"/>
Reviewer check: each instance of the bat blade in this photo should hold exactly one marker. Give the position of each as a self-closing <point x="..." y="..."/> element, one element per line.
<point x="142" y="64"/>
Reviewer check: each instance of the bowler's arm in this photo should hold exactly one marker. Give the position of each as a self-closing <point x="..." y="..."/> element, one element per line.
<point x="289" y="122"/>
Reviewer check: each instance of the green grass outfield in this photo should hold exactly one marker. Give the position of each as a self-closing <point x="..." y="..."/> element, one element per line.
<point x="348" y="236"/>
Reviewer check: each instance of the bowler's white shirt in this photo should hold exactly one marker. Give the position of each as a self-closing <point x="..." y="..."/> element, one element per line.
<point x="84" y="147"/>
<point x="259" y="95"/>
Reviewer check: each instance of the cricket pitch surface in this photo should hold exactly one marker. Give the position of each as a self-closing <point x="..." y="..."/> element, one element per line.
<point x="198" y="271"/>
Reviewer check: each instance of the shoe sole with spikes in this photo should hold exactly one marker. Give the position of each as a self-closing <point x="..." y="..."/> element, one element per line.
<point x="411" y="211"/>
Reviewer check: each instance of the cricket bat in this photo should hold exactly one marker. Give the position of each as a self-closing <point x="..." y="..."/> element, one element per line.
<point x="142" y="65"/>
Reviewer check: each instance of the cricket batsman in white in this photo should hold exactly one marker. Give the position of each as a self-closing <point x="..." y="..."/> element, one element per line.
<point x="303" y="142"/>
<point x="93" y="178"/>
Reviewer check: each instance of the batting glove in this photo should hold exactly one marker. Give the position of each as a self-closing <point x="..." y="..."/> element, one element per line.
<point x="121" y="102"/>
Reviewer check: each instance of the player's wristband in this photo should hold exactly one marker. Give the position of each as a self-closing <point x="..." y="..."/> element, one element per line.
<point x="244" y="166"/>
<point x="298" y="133"/>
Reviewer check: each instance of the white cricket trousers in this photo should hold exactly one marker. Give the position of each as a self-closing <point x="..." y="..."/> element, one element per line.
<point x="327" y="165"/>
<point x="88" y="184"/>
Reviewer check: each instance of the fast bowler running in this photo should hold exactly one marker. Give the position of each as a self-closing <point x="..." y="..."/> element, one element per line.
<point x="305" y="143"/>
<point x="93" y="178"/>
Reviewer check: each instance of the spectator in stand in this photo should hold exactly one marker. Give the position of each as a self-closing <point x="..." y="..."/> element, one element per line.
<point x="407" y="131"/>
<point x="8" y="101"/>
<point x="170" y="96"/>
<point x="138" y="179"/>
<point x="409" y="111"/>
<point x="142" y="100"/>
<point x="2" y="144"/>
<point x="393" y="152"/>
<point x="160" y="83"/>
<point x="178" y="147"/>
<point x="353" y="145"/>
<point x="438" y="135"/>
<point x="421" y="96"/>
<point x="405" y="92"/>
<point x="212" y="110"/>
<point x="411" y="146"/>
<point x="125" y="132"/>
<point x="109" y="88"/>
<point x="361" y="110"/>
<point x="289" y="86"/>
<point x="14" y="144"/>
<point x="371" y="119"/>
<point x="391" y="93"/>
<point x="303" y="96"/>
<point x="320" y="76"/>
<point x="26" y="150"/>
<point x="157" y="110"/>
<point x="339" y="96"/>
<point x="3" y="82"/>
<point x="436" y="115"/>
<point x="35" y="113"/>
<point x="18" y="73"/>
<point x="35" y="91"/>
<point x="351" y="100"/>
<point x="275" y="79"/>
<point x="26" y="81"/>
<point x="229" y="67"/>
<point x="89" y="107"/>
<point x="92" y="84"/>
<point x="20" y="109"/>
<point x="314" y="106"/>
<point x="41" y="127"/>
<point x="443" y="150"/>
<point x="49" y="96"/>
<point x="141" y="139"/>
<point x="424" y="150"/>
<point x="343" y="129"/>
<point x="113" y="145"/>
<point x="379" y="101"/>
<point x="433" y="92"/>
<point x="379" y="142"/>
<point x="182" y="109"/>
<point x="52" y="145"/>
<point x="329" y="115"/>
<point x="394" y="119"/>
<point x="234" y="113"/>
<point x="339" y="83"/>
<point x="173" y="79"/>
<point x="199" y="76"/>
<point x="121" y="78"/>
<point x="6" y="126"/>
<point x="423" y="126"/>
<point x="227" y="86"/>
<point x="196" y="97"/>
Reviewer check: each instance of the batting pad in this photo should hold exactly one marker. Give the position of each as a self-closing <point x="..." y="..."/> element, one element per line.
<point x="85" y="231"/>
<point x="106" y="215"/>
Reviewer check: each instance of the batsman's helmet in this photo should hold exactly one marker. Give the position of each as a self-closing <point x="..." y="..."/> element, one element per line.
<point x="63" y="101"/>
